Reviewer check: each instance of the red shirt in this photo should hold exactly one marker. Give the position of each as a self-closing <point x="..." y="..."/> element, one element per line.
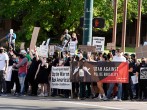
<point x="23" y="68"/>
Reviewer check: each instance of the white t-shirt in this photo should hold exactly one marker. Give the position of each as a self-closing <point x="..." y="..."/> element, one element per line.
<point x="3" y="58"/>
<point x="119" y="59"/>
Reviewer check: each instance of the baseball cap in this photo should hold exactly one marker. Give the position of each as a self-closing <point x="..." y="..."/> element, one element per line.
<point x="23" y="52"/>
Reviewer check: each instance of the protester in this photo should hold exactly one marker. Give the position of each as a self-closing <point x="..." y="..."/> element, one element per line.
<point x="142" y="80"/>
<point x="65" y="38"/>
<point x="100" y="84"/>
<point x="42" y="75"/>
<point x="32" y="71"/>
<point x="117" y="58"/>
<point x="22" y="69"/>
<point x="4" y="60"/>
<point x="9" y="74"/>
<point x="11" y="39"/>
<point x="14" y="77"/>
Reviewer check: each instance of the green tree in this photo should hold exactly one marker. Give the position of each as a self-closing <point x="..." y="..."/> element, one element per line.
<point x="53" y="16"/>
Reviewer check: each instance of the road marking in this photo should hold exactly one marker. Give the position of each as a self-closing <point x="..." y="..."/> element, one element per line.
<point x="91" y="105"/>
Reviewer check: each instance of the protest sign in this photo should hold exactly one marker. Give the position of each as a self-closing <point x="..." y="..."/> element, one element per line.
<point x="143" y="73"/>
<point x="141" y="51"/>
<point x="134" y="79"/>
<point x="106" y="72"/>
<point x="22" y="46"/>
<point x="87" y="48"/>
<point x="60" y="78"/>
<point x="51" y="49"/>
<point x="145" y="43"/>
<point x="38" y="50"/>
<point x="111" y="46"/>
<point x="34" y="37"/>
<point x="43" y="51"/>
<point x="72" y="47"/>
<point x="44" y="48"/>
<point x="99" y="42"/>
<point x="59" y="48"/>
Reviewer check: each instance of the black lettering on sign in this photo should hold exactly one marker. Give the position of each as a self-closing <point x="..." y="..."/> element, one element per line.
<point x="143" y="73"/>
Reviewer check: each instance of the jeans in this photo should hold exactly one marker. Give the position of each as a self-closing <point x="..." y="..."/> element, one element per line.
<point x="110" y="90"/>
<point x="22" y="77"/>
<point x="2" y="82"/>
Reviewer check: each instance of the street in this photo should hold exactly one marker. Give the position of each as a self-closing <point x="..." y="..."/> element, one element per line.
<point x="50" y="103"/>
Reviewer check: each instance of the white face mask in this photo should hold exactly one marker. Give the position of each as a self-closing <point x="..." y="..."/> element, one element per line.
<point x="79" y="55"/>
<point x="11" y="31"/>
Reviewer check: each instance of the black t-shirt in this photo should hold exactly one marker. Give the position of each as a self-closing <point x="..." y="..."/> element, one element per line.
<point x="130" y="73"/>
<point x="34" y="65"/>
<point x="67" y="62"/>
<point x="55" y="62"/>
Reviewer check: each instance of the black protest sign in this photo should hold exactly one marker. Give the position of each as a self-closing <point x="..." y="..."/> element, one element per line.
<point x="108" y="72"/>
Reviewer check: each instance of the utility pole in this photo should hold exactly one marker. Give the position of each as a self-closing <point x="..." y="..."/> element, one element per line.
<point x="124" y="25"/>
<point x="114" y="22"/>
<point x="88" y="17"/>
<point x="138" y="24"/>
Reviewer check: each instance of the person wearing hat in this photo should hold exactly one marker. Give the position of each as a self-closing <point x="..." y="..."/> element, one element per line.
<point x="22" y="68"/>
<point x="3" y="69"/>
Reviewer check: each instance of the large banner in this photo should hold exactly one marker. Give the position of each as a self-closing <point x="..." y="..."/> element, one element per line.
<point x="60" y="78"/>
<point x="143" y="73"/>
<point x="99" y="42"/>
<point x="106" y="72"/>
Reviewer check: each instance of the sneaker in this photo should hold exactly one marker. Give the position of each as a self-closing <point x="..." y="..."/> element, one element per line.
<point x="46" y="94"/>
<point x="69" y="97"/>
<point x="41" y="95"/>
<point x="105" y="99"/>
<point x="99" y="98"/>
<point x="116" y="99"/>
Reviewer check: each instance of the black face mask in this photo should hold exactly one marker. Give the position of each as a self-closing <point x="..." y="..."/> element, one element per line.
<point x="1" y="50"/>
<point x="143" y="62"/>
<point x="21" y="56"/>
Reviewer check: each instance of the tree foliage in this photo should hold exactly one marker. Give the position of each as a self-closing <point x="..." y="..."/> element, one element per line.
<point x="53" y="16"/>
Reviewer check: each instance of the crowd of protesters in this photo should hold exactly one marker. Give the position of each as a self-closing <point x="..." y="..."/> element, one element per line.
<point x="27" y="73"/>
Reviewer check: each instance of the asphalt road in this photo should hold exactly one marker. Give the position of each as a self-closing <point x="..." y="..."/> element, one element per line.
<point x="49" y="103"/>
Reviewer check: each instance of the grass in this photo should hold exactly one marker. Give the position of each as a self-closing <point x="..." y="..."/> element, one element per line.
<point x="127" y="49"/>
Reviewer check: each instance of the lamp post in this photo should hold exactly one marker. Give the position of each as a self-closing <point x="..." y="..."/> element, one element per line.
<point x="87" y="27"/>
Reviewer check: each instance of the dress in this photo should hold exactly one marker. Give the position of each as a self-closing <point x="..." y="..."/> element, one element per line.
<point x="42" y="76"/>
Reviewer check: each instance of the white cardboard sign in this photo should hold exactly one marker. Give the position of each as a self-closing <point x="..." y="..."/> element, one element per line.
<point x="60" y="77"/>
<point x="99" y="42"/>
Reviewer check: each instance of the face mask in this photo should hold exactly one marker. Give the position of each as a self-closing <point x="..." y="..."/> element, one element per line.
<point x="78" y="55"/>
<point x="1" y="50"/>
<point x="143" y="62"/>
<point x="21" y="56"/>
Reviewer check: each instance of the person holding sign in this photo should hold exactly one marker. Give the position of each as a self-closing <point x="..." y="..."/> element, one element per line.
<point x="11" y="39"/>
<point x="142" y="76"/>
<point x="74" y="38"/>
<point x="117" y="58"/>
<point x="65" y="38"/>
<point x="42" y="75"/>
